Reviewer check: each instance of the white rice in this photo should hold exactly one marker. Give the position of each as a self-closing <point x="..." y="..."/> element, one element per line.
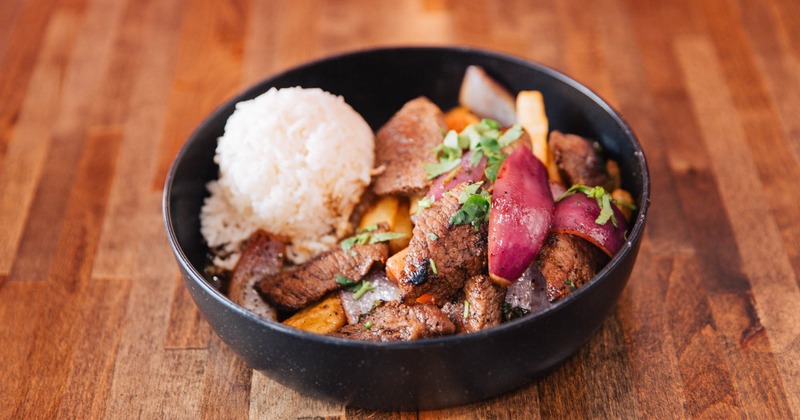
<point x="293" y="162"/>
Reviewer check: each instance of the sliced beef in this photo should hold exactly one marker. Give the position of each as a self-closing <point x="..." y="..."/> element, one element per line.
<point x="485" y="302"/>
<point x="458" y="252"/>
<point x="567" y="262"/>
<point x="395" y="321"/>
<point x="404" y="143"/>
<point x="262" y="257"/>
<point x="295" y="289"/>
<point x="578" y="160"/>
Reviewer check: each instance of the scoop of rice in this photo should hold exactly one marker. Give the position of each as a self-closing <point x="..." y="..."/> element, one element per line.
<point x="293" y="162"/>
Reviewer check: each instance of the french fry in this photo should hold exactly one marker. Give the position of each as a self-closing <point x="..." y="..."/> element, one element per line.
<point x="395" y="265"/>
<point x="623" y="196"/>
<point x="384" y="211"/>
<point x="531" y="116"/>
<point x="323" y="317"/>
<point x="402" y="224"/>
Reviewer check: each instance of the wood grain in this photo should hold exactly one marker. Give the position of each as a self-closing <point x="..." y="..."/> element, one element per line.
<point x="98" y="95"/>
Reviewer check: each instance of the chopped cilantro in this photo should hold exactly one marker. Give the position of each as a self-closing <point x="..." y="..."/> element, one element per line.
<point x="365" y="236"/>
<point x="432" y="236"/>
<point x="363" y="287"/>
<point x="369" y="228"/>
<point x="385" y="236"/>
<point x="433" y="266"/>
<point x="466" y="309"/>
<point x="344" y="281"/>
<point x="474" y="211"/>
<point x="425" y="202"/>
<point x="510" y="135"/>
<point x="468" y="191"/>
<point x="368" y="325"/>
<point x="442" y="167"/>
<point x="603" y="198"/>
<point x="569" y="283"/>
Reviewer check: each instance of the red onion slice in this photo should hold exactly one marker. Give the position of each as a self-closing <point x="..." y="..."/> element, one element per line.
<point x="466" y="173"/>
<point x="522" y="210"/>
<point x="576" y="214"/>
<point x="384" y="290"/>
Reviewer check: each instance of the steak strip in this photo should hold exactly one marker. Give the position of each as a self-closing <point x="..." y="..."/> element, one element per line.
<point x="485" y="305"/>
<point x="261" y="257"/>
<point x="395" y="321"/>
<point x="567" y="262"/>
<point x="295" y="289"/>
<point x="458" y="252"/>
<point x="578" y="160"/>
<point x="404" y="143"/>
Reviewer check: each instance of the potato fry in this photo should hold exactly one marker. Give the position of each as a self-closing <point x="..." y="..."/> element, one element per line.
<point x="531" y="116"/>
<point x="395" y="265"/>
<point x="459" y="118"/>
<point x="623" y="197"/>
<point x="612" y="169"/>
<point x="402" y="224"/>
<point x="413" y="204"/>
<point x="384" y="211"/>
<point x="323" y="317"/>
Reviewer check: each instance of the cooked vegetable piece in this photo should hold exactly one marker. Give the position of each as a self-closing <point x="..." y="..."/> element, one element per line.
<point x="531" y="116"/>
<point x="382" y="290"/>
<point x="485" y="97"/>
<point x="614" y="175"/>
<point x="466" y="172"/>
<point x="395" y="264"/>
<point x="459" y="117"/>
<point x="522" y="209"/>
<point x="322" y="317"/>
<point x="383" y="211"/>
<point x="624" y="202"/>
<point x="581" y="215"/>
<point x="402" y="225"/>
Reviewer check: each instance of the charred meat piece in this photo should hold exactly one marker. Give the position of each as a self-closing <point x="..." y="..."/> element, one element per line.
<point x="480" y="306"/>
<point x="395" y="321"/>
<point x="567" y="262"/>
<point x="442" y="256"/>
<point x="578" y="160"/>
<point x="404" y="143"/>
<point x="262" y="257"/>
<point x="295" y="289"/>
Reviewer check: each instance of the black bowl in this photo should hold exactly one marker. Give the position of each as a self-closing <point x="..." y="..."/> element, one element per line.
<point x="431" y="373"/>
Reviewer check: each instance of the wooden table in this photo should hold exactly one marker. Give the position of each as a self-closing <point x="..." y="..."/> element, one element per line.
<point x="96" y="96"/>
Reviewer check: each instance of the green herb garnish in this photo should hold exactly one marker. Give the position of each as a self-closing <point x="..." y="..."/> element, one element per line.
<point x="442" y="167"/>
<point x="344" y="281"/>
<point x="604" y="201"/>
<point x="569" y="283"/>
<point x="365" y="236"/>
<point x="483" y="138"/>
<point x="433" y="266"/>
<point x="363" y="287"/>
<point x="468" y="191"/>
<point x="432" y="236"/>
<point x="466" y="309"/>
<point x="474" y="210"/>
<point x="385" y="236"/>
<point x="425" y="202"/>
<point x="368" y="325"/>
